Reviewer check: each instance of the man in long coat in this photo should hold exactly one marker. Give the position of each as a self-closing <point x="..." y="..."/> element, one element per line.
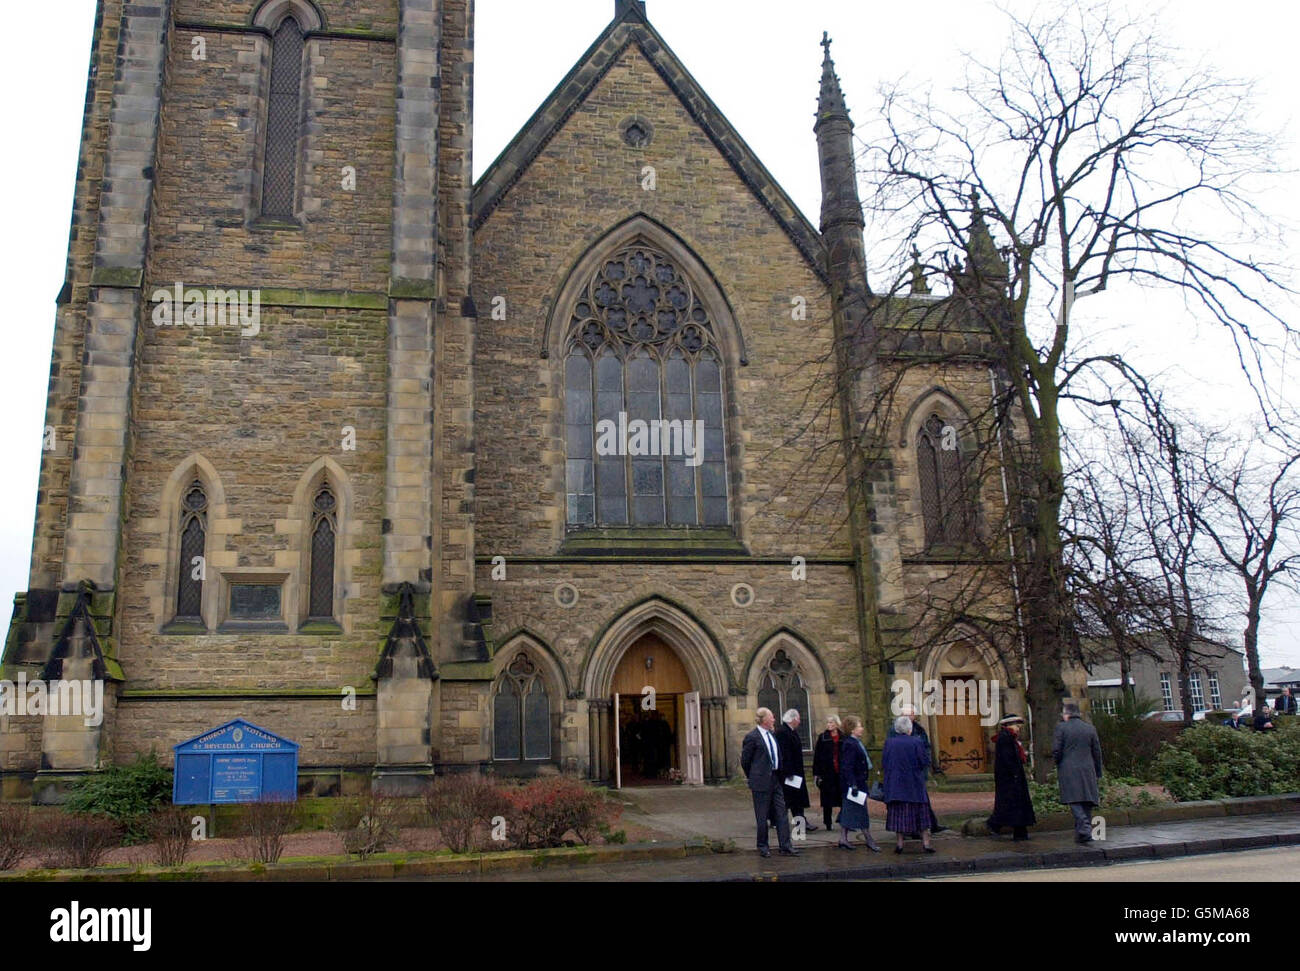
<point x="797" y="799"/>
<point x="1077" y="753"/>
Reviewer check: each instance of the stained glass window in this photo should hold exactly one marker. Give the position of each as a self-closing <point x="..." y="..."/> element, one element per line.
<point x="646" y="442"/>
<point x="521" y="714"/>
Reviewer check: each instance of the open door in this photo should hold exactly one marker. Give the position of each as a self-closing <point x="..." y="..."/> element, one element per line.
<point x="693" y="771"/>
<point x="618" y="747"/>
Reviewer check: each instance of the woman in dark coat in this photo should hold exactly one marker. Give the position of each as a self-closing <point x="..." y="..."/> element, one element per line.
<point x="791" y="749"/>
<point x="855" y="767"/>
<point x="1011" y="803"/>
<point x="904" y="763"/>
<point x="826" y="767"/>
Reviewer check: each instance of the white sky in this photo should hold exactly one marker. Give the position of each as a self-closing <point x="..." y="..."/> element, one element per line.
<point x="759" y="61"/>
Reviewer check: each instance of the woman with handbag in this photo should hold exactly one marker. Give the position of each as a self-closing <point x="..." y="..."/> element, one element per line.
<point x="855" y="767"/>
<point x="826" y="767"/>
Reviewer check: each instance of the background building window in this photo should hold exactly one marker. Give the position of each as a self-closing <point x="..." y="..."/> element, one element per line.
<point x="280" y="167"/>
<point x="641" y="350"/>
<point x="1167" y="692"/>
<point x="521" y="714"/>
<point x="1216" y="700"/>
<point x="782" y="688"/>
<point x="1198" y="696"/>
<point x="192" y="566"/>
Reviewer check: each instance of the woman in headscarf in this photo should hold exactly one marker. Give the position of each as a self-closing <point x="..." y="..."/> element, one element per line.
<point x="855" y="767"/>
<point x="1012" y="805"/>
<point x="826" y="767"/>
<point x="904" y="763"/>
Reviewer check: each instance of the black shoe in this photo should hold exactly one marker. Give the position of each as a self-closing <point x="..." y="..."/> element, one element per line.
<point x="846" y="846"/>
<point x="994" y="831"/>
<point x="1083" y="840"/>
<point x="929" y="849"/>
<point x="871" y="844"/>
<point x="790" y="852"/>
<point x="898" y="849"/>
<point x="810" y="827"/>
<point x="938" y="829"/>
<point x="1020" y="839"/>
<point x="764" y="852"/>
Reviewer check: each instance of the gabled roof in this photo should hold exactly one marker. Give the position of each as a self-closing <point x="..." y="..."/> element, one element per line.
<point x="629" y="29"/>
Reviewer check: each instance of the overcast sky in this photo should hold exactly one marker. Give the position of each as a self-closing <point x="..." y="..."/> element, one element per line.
<point x="759" y="61"/>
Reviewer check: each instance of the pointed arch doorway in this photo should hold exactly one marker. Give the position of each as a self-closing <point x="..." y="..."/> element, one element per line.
<point x="686" y="669"/>
<point x="656" y="711"/>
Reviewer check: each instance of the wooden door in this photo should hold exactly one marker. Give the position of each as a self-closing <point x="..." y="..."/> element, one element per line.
<point x="693" y="771"/>
<point x="618" y="747"/>
<point x="960" y="744"/>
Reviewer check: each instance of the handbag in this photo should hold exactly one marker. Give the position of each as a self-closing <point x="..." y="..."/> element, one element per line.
<point x="877" y="791"/>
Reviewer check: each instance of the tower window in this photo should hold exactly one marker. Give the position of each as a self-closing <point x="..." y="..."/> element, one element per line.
<point x="324" y="528"/>
<point x="945" y="503"/>
<point x="279" y="177"/>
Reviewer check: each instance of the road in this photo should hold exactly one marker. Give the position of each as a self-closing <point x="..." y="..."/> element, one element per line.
<point x="1282" y="864"/>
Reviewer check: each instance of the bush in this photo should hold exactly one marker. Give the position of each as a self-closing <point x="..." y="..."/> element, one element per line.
<point x="169" y="831"/>
<point x="369" y="823"/>
<point x="544" y="811"/>
<point x="76" y="841"/>
<point x="1130" y="740"/>
<point x="1115" y="792"/>
<point x="263" y="827"/>
<point x="1210" y="761"/>
<point x="15" y="834"/>
<point x="461" y="806"/>
<point x="126" y="793"/>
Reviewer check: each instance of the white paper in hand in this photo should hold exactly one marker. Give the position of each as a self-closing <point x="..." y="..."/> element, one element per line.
<point x="858" y="796"/>
<point x="794" y="781"/>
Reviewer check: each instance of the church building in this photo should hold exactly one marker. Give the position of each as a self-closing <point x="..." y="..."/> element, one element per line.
<point x="555" y="471"/>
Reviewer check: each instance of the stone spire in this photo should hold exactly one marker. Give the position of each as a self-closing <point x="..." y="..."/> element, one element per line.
<point x="983" y="261"/>
<point x="842" y="221"/>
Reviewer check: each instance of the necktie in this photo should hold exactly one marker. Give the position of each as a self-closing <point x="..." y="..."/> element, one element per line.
<point x="771" y="748"/>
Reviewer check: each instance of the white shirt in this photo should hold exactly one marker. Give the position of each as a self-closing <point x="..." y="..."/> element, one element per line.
<point x="770" y="741"/>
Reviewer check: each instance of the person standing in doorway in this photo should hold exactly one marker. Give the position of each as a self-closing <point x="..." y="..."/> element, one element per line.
<point x="1076" y="750"/>
<point x="796" y="797"/>
<point x="826" y="767"/>
<point x="1012" y="805"/>
<point x="761" y="761"/>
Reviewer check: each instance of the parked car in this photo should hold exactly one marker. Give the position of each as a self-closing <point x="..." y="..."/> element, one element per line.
<point x="1165" y="716"/>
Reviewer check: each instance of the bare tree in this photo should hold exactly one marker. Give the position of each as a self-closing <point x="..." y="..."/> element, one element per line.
<point x="1253" y="523"/>
<point x="1096" y="159"/>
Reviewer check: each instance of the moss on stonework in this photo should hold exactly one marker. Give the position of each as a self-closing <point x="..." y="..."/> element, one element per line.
<point x="401" y="288"/>
<point x="467" y="671"/>
<point x="322" y="299"/>
<point x="129" y="277"/>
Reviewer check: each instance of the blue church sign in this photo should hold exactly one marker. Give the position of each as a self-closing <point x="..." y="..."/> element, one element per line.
<point x="237" y="762"/>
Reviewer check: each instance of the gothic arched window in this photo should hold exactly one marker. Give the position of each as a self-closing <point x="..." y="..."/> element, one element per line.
<point x="324" y="528"/>
<point x="521" y="714"/>
<point x="643" y="400"/>
<point x="782" y="688"/>
<point x="945" y="505"/>
<point x="192" y="566"/>
<point x="280" y="165"/>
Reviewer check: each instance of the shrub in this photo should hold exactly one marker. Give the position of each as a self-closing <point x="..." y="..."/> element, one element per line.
<point x="263" y="827"/>
<point x="169" y="831"/>
<point x="126" y="793"/>
<point x="1115" y="792"/>
<point x="76" y="841"/>
<point x="1130" y="740"/>
<point x="1213" y="762"/>
<point x="369" y="823"/>
<point x="461" y="806"/>
<point x="544" y="811"/>
<point x="15" y="834"/>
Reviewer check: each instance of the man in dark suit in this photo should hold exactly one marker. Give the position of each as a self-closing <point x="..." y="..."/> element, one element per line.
<point x="1285" y="705"/>
<point x="761" y="761"/>
<point x="1076" y="750"/>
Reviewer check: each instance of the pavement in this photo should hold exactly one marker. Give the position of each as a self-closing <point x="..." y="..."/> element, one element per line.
<point x="722" y="816"/>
